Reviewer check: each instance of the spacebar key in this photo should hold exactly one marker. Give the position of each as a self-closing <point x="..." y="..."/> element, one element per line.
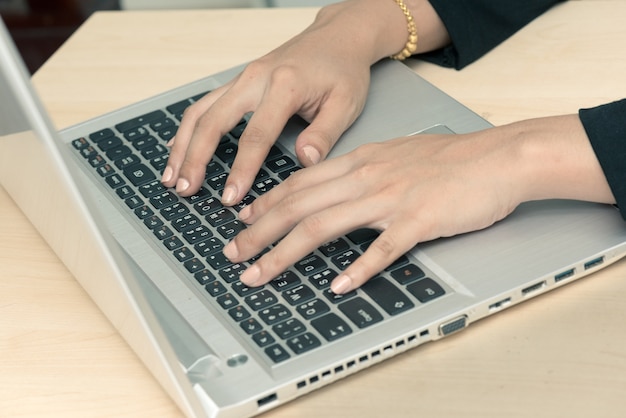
<point x="387" y="295"/>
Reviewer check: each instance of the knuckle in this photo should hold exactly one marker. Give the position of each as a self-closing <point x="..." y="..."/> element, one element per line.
<point x="312" y="226"/>
<point x="384" y="246"/>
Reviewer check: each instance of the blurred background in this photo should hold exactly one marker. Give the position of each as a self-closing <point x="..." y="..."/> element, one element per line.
<point x="39" y="27"/>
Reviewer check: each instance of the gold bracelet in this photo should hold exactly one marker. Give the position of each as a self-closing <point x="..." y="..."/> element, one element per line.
<point x="411" y="43"/>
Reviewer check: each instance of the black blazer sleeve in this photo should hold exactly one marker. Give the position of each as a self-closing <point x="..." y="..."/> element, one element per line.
<point x="477" y="26"/>
<point x="606" y="128"/>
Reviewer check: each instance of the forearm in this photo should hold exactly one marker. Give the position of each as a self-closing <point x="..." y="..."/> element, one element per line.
<point x="553" y="158"/>
<point x="378" y="28"/>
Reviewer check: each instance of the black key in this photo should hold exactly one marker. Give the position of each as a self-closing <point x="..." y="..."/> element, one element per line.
<point x="387" y="295"/>
<point x="152" y="188"/>
<point x="239" y="313"/>
<point x="313" y="308"/>
<point x="144" y="142"/>
<point x="274" y="314"/>
<point x="331" y="326"/>
<point x="310" y="265"/>
<point x="136" y="203"/>
<point x="218" y="261"/>
<point x="227" y="301"/>
<point x="238" y="130"/>
<point x="322" y="279"/>
<point x="361" y="236"/>
<point x="426" y="290"/>
<point x="172" y="243"/>
<point x="336" y="297"/>
<point x="174" y="211"/>
<point x="360" y="312"/>
<point x="204" y="276"/>
<point x="159" y="163"/>
<point x="139" y="174"/>
<point x="197" y="234"/>
<point x="248" y="199"/>
<point x="160" y="124"/>
<point x="114" y="181"/>
<point x="152" y="222"/>
<point x="162" y="232"/>
<point x="251" y="326"/>
<point x="289" y="328"/>
<point x="105" y="170"/>
<point x="213" y="168"/>
<point x="261" y="300"/>
<point x="217" y="182"/>
<point x="333" y="247"/>
<point x="303" y="343"/>
<point x="298" y="294"/>
<point x="231" y="273"/>
<point x="220" y="217"/>
<point x="80" y="143"/>
<point x="118" y="152"/>
<point x="193" y="265"/>
<point x="108" y="143"/>
<point x="140" y="120"/>
<point x="243" y="290"/>
<point x="167" y="133"/>
<point x="285" y="281"/>
<point x="215" y="288"/>
<point x="264" y="186"/>
<point x="407" y="274"/>
<point x="226" y="152"/>
<point x="183" y="254"/>
<point x="200" y="195"/>
<point x="100" y="135"/>
<point x="88" y="152"/>
<point x="125" y="192"/>
<point x="208" y="206"/>
<point x="136" y="133"/>
<point x="277" y="353"/>
<point x="280" y="164"/>
<point x="154" y="151"/>
<point x="164" y="199"/>
<point x="231" y="229"/>
<point x="97" y="160"/>
<point x="263" y="338"/>
<point x="209" y="246"/>
<point x="345" y="259"/>
<point x="128" y="161"/>
<point x="178" y="107"/>
<point x="185" y="222"/>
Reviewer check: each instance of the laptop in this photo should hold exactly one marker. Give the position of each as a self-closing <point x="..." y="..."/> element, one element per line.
<point x="152" y="260"/>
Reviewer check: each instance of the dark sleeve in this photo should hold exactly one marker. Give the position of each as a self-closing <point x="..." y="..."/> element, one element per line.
<point x="477" y="26"/>
<point x="606" y="128"/>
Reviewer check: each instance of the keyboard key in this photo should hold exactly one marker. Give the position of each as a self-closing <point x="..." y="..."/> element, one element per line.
<point x="239" y="313"/>
<point x="345" y="259"/>
<point x="312" y="309"/>
<point x="298" y="294"/>
<point x="407" y="274"/>
<point x="310" y="265"/>
<point x="261" y="300"/>
<point x="360" y="312"/>
<point x="387" y="295"/>
<point x="361" y="236"/>
<point x="263" y="338"/>
<point x="274" y="314"/>
<point x="251" y="326"/>
<point x="140" y="120"/>
<point x="277" y="353"/>
<point x="303" y="343"/>
<point x="139" y="174"/>
<point x="426" y="290"/>
<point x="289" y="328"/>
<point x="331" y="326"/>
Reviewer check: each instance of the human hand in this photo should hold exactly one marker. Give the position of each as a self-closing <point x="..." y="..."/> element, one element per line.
<point x="318" y="75"/>
<point x="412" y="189"/>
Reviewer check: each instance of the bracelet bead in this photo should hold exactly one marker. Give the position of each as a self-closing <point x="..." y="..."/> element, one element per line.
<point x="411" y="44"/>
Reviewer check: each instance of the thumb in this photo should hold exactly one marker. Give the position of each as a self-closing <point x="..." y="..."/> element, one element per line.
<point x="316" y="140"/>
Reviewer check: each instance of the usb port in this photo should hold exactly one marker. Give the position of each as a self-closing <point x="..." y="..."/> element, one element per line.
<point x="533" y="288"/>
<point x="499" y="305"/>
<point x="564" y="275"/>
<point x="593" y="263"/>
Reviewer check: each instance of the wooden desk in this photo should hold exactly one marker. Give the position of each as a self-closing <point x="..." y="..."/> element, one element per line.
<point x="562" y="354"/>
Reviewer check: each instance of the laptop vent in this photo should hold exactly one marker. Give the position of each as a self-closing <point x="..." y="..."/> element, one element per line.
<point x="361" y="362"/>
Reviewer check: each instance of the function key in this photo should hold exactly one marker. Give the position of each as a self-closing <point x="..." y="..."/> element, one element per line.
<point x="140" y="120"/>
<point x="100" y="135"/>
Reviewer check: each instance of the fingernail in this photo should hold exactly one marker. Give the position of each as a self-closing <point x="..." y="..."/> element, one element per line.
<point x="167" y="174"/>
<point x="312" y="154"/>
<point x="170" y="143"/>
<point x="229" y="195"/>
<point x="245" y="213"/>
<point x="182" y="185"/>
<point x="231" y="251"/>
<point x="341" y="284"/>
<point x="251" y="275"/>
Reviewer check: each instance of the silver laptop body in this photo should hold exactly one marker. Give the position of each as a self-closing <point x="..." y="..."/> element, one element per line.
<point x="202" y="356"/>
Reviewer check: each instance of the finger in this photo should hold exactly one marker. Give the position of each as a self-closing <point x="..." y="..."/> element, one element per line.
<point x="384" y="250"/>
<point x="210" y="127"/>
<point x="180" y="143"/>
<point x="277" y="106"/>
<point x="306" y="236"/>
<point x="287" y="213"/>
<point x="316" y="140"/>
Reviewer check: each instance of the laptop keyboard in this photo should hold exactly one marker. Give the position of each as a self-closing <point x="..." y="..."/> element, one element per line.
<point x="294" y="313"/>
